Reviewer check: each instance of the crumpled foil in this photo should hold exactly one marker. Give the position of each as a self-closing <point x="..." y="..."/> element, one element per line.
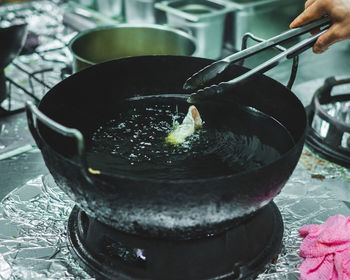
<point x="33" y="242"/>
<point x="34" y="217"/>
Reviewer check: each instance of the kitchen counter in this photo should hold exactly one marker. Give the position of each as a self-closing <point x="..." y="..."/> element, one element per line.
<point x="316" y="187"/>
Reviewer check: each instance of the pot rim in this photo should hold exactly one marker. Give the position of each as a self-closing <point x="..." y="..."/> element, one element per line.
<point x="167" y="28"/>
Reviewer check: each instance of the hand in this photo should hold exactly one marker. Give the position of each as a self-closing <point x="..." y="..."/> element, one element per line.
<point x="339" y="13"/>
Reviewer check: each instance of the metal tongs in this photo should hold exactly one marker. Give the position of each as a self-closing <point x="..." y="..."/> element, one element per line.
<point x="205" y="75"/>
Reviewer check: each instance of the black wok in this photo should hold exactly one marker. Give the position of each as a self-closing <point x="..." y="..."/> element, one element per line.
<point x="182" y="208"/>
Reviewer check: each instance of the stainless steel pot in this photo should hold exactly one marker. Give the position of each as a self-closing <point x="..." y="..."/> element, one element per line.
<point x="106" y="43"/>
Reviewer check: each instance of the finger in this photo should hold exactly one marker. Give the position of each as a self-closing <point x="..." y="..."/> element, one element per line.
<point x="318" y="51"/>
<point x="315" y="11"/>
<point x="308" y="3"/>
<point x="327" y="39"/>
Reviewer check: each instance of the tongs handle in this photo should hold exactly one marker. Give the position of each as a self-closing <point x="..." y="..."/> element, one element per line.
<point x="295" y="50"/>
<point x="283" y="37"/>
<point x="272" y="62"/>
<point x="206" y="74"/>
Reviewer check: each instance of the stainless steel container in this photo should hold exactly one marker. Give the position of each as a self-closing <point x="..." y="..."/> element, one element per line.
<point x="106" y="43"/>
<point x="143" y="11"/>
<point x="263" y="18"/>
<point x="204" y="19"/>
<point x="110" y="8"/>
<point x="86" y="3"/>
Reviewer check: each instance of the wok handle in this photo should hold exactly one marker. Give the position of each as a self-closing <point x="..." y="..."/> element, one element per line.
<point x="280" y="48"/>
<point x="33" y="115"/>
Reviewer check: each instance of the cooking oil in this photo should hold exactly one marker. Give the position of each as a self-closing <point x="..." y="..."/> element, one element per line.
<point x="230" y="141"/>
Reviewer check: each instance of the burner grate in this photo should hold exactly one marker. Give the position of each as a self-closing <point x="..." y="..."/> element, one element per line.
<point x="329" y="123"/>
<point x="45" y="59"/>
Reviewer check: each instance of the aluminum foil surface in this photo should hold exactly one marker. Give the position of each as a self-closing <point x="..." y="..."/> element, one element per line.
<point x="33" y="242"/>
<point x="33" y="221"/>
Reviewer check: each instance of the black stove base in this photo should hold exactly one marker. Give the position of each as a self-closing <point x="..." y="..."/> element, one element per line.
<point x="239" y="253"/>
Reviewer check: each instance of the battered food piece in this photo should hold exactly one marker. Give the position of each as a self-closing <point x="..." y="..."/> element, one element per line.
<point x="189" y="125"/>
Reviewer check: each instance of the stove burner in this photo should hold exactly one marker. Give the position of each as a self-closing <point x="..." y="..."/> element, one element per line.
<point x="12" y="40"/>
<point x="239" y="253"/>
<point x="37" y="67"/>
<point x="329" y="123"/>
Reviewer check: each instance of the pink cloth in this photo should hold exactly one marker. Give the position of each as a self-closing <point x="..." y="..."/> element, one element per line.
<point x="326" y="250"/>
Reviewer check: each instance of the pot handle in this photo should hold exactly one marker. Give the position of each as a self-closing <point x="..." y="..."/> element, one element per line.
<point x="33" y="114"/>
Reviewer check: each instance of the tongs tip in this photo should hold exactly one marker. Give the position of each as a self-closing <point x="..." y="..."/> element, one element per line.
<point x="189" y="100"/>
<point x="187" y="85"/>
<point x="208" y="92"/>
<point x="203" y="76"/>
<point x="192" y="99"/>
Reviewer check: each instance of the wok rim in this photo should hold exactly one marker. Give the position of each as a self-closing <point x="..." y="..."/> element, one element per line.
<point x="131" y="26"/>
<point x="300" y="140"/>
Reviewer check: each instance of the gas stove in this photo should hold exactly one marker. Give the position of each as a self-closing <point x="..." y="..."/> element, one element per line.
<point x="329" y="123"/>
<point x="37" y="216"/>
<point x="46" y="57"/>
